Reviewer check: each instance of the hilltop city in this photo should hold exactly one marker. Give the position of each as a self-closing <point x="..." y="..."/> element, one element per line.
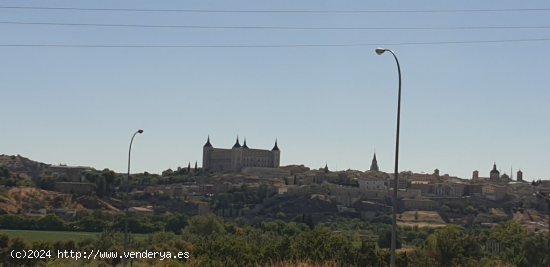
<point x="294" y="192"/>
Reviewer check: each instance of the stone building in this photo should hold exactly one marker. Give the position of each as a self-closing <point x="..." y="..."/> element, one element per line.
<point x="493" y="191"/>
<point x="443" y="189"/>
<point x="475" y="175"/>
<point x="374" y="179"/>
<point x="519" y="176"/>
<point x="494" y="175"/>
<point x="68" y="173"/>
<point x="448" y="189"/>
<point x="424" y="178"/>
<point x="238" y="157"/>
<point x="373" y="182"/>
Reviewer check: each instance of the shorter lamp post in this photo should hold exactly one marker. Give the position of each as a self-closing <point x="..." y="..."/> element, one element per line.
<point x="126" y="197"/>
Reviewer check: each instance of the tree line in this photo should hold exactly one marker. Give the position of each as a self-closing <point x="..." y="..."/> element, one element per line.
<point x="213" y="241"/>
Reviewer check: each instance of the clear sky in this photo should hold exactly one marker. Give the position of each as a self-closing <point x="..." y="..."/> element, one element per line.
<point x="464" y="106"/>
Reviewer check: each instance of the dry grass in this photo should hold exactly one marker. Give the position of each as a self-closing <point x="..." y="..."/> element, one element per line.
<point x="420" y="216"/>
<point x="422" y="219"/>
<point x="498" y="212"/>
<point x="421" y="225"/>
<point x="24" y="199"/>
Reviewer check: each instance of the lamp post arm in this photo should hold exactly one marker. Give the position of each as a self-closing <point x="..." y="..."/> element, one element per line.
<point x="129" y="155"/>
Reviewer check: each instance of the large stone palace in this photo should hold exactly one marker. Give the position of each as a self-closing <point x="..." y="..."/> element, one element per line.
<point x="238" y="157"/>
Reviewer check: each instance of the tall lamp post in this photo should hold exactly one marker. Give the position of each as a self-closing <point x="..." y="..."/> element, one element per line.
<point x="127" y="192"/>
<point x="381" y="51"/>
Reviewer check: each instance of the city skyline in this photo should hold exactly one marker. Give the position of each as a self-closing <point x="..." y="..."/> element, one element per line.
<point x="464" y="105"/>
<point x="481" y="174"/>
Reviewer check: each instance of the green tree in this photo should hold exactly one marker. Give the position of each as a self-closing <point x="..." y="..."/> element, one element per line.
<point x="204" y="226"/>
<point x="175" y="223"/>
<point x="384" y="240"/>
<point x="536" y="250"/>
<point x="309" y="221"/>
<point x="11" y="221"/>
<point x="422" y="259"/>
<point x="222" y="201"/>
<point x="4" y="243"/>
<point x="90" y="224"/>
<point x="17" y="244"/>
<point x="136" y="224"/>
<point x="452" y="245"/>
<point x="101" y="186"/>
<point x="109" y="178"/>
<point x="369" y="255"/>
<point x="4" y="172"/>
<point x="319" y="245"/>
<point x="511" y="237"/>
<point x="471" y="210"/>
<point x="50" y="222"/>
<point x="228" y="250"/>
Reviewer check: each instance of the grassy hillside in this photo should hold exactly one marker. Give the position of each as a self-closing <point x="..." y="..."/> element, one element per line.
<point x="31" y="236"/>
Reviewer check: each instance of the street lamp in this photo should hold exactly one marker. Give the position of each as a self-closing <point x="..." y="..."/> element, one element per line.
<point x="130" y="152"/>
<point x="127" y="192"/>
<point x="381" y="51"/>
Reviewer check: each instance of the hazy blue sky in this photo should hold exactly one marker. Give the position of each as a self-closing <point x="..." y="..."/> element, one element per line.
<point x="464" y="106"/>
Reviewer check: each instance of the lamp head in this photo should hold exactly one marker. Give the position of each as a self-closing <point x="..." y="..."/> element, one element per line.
<point x="140" y="131"/>
<point x="380" y="50"/>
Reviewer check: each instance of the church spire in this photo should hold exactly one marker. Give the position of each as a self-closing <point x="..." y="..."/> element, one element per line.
<point x="237" y="145"/>
<point x="275" y="148"/>
<point x="208" y="142"/>
<point x="244" y="144"/>
<point x="374" y="164"/>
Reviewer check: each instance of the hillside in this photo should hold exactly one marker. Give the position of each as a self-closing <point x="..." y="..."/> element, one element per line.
<point x="24" y="200"/>
<point x="21" y="164"/>
<point x="22" y="167"/>
<point x="420" y="219"/>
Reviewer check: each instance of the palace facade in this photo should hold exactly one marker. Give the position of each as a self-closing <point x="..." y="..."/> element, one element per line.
<point x="238" y="157"/>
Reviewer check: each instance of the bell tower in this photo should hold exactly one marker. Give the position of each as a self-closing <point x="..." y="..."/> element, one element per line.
<point x="206" y="152"/>
<point x="374" y="164"/>
<point x="276" y="155"/>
